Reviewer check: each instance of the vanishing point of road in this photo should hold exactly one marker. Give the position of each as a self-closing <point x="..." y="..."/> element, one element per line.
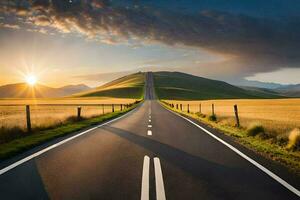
<point x="149" y="153"/>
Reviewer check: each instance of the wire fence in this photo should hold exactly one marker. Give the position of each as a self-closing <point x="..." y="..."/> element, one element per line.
<point x="47" y="115"/>
<point x="277" y="116"/>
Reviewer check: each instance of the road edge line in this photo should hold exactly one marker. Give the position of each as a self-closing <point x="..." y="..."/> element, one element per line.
<point x="252" y="161"/>
<point x="38" y="153"/>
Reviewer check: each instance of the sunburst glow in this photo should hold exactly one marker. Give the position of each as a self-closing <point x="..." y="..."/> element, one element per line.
<point x="31" y="80"/>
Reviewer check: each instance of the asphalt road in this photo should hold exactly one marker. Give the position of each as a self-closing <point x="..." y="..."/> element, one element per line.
<point x="150" y="153"/>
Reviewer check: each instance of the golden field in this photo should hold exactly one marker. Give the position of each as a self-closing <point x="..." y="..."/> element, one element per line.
<point x="49" y="112"/>
<point x="277" y="116"/>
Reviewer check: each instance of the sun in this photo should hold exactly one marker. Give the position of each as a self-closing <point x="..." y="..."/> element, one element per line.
<point x="31" y="80"/>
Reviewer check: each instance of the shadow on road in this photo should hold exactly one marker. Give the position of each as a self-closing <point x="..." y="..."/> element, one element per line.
<point x="223" y="181"/>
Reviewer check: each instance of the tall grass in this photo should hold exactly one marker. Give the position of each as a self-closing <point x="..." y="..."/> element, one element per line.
<point x="45" y="116"/>
<point x="278" y="117"/>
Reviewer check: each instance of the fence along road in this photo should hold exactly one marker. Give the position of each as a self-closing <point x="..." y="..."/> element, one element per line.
<point x="119" y="160"/>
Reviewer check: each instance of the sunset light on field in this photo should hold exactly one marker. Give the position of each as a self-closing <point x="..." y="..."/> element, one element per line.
<point x="149" y="99"/>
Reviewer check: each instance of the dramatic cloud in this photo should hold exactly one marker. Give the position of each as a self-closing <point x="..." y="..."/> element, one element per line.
<point x="258" y="44"/>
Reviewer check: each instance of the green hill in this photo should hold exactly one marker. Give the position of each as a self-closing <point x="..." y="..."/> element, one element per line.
<point x="131" y="86"/>
<point x="181" y="86"/>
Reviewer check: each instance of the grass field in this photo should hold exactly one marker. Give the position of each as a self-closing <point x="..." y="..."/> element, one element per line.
<point x="181" y="86"/>
<point x="277" y="116"/>
<point x="131" y="86"/>
<point x="277" y="122"/>
<point x="49" y="112"/>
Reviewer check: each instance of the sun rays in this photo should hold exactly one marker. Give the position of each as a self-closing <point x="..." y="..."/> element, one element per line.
<point x="31" y="79"/>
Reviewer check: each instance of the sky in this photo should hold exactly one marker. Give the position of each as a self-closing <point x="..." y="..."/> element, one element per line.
<point x="94" y="41"/>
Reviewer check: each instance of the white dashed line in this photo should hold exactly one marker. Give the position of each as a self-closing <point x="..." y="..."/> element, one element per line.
<point x="149" y="126"/>
<point x="149" y="120"/>
<point x="145" y="179"/>
<point x="159" y="182"/>
<point x="149" y="132"/>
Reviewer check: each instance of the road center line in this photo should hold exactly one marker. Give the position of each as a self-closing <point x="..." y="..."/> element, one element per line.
<point x="259" y="166"/>
<point x="145" y="179"/>
<point x="149" y="132"/>
<point x="149" y="120"/>
<point x="159" y="182"/>
<point x="149" y="126"/>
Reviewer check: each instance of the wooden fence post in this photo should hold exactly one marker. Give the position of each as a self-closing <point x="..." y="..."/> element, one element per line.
<point x="213" y="109"/>
<point x="200" y="108"/>
<point x="188" y="108"/>
<point x="102" y="109"/>
<point x="113" y="107"/>
<point x="78" y="113"/>
<point x="28" y="120"/>
<point x="236" y="115"/>
<point x="177" y="106"/>
<point x="181" y="107"/>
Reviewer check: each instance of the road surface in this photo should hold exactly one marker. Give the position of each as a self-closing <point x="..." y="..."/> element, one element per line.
<point x="150" y="153"/>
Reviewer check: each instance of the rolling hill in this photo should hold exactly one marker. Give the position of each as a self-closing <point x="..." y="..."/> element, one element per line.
<point x="23" y="90"/>
<point x="181" y="86"/>
<point x="131" y="86"/>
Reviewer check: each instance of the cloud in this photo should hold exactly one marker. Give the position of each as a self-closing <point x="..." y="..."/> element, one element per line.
<point x="256" y="44"/>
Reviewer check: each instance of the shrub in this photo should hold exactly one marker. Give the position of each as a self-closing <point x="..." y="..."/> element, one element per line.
<point x="212" y="118"/>
<point x="294" y="139"/>
<point x="256" y="129"/>
<point x="8" y="134"/>
<point x="74" y="119"/>
<point x="282" y="139"/>
<point x="200" y="115"/>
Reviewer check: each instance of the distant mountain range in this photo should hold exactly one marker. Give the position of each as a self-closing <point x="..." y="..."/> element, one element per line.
<point x="286" y="90"/>
<point x="289" y="90"/>
<point x="23" y="90"/>
<point x="168" y="85"/>
<point x="257" y="84"/>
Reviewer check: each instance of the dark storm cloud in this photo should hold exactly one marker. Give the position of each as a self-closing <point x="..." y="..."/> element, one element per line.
<point x="254" y="41"/>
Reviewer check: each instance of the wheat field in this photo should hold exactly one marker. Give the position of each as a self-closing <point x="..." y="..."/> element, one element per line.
<point x="49" y="112"/>
<point x="278" y="116"/>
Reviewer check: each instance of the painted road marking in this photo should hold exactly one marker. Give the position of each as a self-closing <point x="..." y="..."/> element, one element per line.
<point x="259" y="166"/>
<point x="149" y="132"/>
<point x="159" y="182"/>
<point x="20" y="162"/>
<point x="149" y="126"/>
<point x="149" y="120"/>
<point x="145" y="179"/>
